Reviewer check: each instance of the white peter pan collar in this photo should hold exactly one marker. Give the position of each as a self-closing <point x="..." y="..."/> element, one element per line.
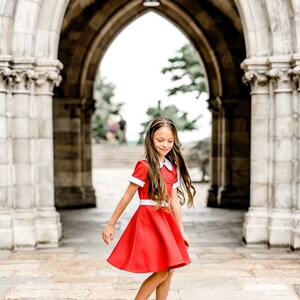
<point x="167" y="163"/>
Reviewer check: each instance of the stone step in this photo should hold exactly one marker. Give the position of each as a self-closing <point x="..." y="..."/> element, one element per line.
<point x="106" y="156"/>
<point x="114" y="156"/>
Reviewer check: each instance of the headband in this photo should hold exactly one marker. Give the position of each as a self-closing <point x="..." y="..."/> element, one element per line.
<point x="163" y="121"/>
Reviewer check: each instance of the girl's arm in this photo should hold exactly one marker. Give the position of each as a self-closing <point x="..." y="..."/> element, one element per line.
<point x="176" y="207"/>
<point x="108" y="232"/>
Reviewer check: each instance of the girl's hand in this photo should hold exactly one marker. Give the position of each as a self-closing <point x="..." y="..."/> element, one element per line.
<point x="108" y="233"/>
<point x="186" y="240"/>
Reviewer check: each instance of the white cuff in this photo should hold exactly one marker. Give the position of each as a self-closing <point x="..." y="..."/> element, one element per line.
<point x="136" y="181"/>
<point x="175" y="185"/>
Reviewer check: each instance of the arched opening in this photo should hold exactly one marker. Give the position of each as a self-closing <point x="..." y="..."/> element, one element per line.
<point x="219" y="40"/>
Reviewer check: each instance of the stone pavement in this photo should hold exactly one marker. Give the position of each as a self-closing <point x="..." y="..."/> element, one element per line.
<point x="222" y="268"/>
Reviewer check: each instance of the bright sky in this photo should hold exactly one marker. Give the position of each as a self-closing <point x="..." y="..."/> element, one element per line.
<point x="133" y="62"/>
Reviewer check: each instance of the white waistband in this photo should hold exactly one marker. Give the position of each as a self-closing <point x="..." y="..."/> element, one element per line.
<point x="151" y="202"/>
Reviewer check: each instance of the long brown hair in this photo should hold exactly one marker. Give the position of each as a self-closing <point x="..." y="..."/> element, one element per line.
<point x="157" y="191"/>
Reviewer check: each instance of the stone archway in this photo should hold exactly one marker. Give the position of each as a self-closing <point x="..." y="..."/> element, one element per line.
<point x="229" y="97"/>
<point x="38" y="35"/>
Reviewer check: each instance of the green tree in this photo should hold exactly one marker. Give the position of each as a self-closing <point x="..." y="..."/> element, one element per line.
<point x="186" y="72"/>
<point x="171" y="111"/>
<point x="103" y="94"/>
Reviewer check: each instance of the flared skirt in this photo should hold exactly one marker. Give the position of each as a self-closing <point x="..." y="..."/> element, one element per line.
<point x="151" y="242"/>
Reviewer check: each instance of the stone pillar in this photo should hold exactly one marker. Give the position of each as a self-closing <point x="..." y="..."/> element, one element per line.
<point x="234" y="189"/>
<point x="255" y="227"/>
<point x="72" y="139"/>
<point x="226" y="187"/>
<point x="279" y="231"/>
<point x="214" y="107"/>
<point x="27" y="210"/>
<point x="6" y="158"/>
<point x="295" y="239"/>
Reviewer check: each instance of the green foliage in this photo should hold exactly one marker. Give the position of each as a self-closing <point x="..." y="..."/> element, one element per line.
<point x="171" y="111"/>
<point x="103" y="94"/>
<point x="186" y="72"/>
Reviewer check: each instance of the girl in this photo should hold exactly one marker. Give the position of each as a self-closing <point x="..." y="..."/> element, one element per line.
<point x="154" y="240"/>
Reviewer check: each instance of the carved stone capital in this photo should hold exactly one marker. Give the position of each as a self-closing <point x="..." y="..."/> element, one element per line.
<point x="26" y="76"/>
<point x="258" y="81"/>
<point x="6" y="79"/>
<point x="282" y="79"/>
<point x="23" y="80"/>
<point x="296" y="77"/>
<point x="214" y="105"/>
<point x="46" y="81"/>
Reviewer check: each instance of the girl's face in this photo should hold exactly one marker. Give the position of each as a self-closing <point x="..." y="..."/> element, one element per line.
<point x="163" y="140"/>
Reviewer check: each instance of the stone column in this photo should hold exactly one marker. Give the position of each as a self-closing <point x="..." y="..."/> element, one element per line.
<point x="72" y="138"/>
<point x="279" y="231"/>
<point x="226" y="187"/>
<point x="255" y="227"/>
<point x="235" y="130"/>
<point x="47" y="223"/>
<point x="6" y="184"/>
<point x="295" y="240"/>
<point x="29" y="218"/>
<point x="214" y="107"/>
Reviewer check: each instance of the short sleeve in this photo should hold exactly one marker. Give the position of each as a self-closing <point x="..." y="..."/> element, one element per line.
<point x="140" y="173"/>
<point x="175" y="183"/>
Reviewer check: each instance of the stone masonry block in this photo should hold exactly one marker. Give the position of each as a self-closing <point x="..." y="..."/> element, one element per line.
<point x="259" y="174"/>
<point x="259" y="193"/>
<point x="259" y="150"/>
<point x="3" y="196"/>
<point x="44" y="173"/>
<point x="259" y="129"/>
<point x="44" y="151"/>
<point x="24" y="196"/>
<point x="21" y="127"/>
<point x="3" y="151"/>
<point x="45" y="194"/>
<point x="23" y="174"/>
<point x="41" y="107"/>
<point x="283" y="105"/>
<point x="4" y="174"/>
<point x="283" y="127"/>
<point x="283" y="195"/>
<point x="2" y="105"/>
<point x="260" y="105"/>
<point x="3" y="127"/>
<point x="21" y="105"/>
<point x="283" y="149"/>
<point x="21" y="151"/>
<point x="42" y="128"/>
<point x="283" y="172"/>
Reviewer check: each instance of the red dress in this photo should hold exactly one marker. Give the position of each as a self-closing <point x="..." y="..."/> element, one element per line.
<point x="152" y="241"/>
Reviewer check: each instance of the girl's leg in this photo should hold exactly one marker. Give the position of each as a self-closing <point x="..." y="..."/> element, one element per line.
<point x="150" y="284"/>
<point x="163" y="289"/>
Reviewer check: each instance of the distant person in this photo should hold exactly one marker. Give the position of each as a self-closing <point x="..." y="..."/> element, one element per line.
<point x="154" y="239"/>
<point x="111" y="129"/>
<point x="122" y="131"/>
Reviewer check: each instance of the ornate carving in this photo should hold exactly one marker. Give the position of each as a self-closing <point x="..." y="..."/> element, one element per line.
<point x="24" y="80"/>
<point x="282" y="79"/>
<point x="296" y="77"/>
<point x="5" y="79"/>
<point x="258" y="81"/>
<point x="46" y="80"/>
